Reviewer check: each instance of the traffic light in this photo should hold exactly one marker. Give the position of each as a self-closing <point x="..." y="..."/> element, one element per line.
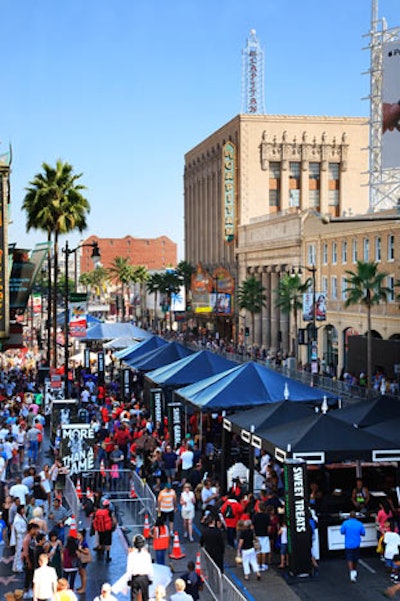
<point x="188" y="305"/>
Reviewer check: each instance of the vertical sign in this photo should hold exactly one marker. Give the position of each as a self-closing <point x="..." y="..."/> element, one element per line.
<point x="100" y="367"/>
<point x="86" y="359"/>
<point x="175" y="422"/>
<point x="4" y="294"/>
<point x="126" y="384"/>
<point x="297" y="515"/>
<point x="157" y="404"/>
<point x="228" y="191"/>
<point x="77" y="447"/>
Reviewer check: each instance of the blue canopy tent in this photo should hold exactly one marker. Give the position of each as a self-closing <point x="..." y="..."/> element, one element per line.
<point x="185" y="371"/>
<point x="247" y="385"/>
<point x="368" y="413"/>
<point x="158" y="358"/>
<point x="110" y="331"/>
<point x="145" y="346"/>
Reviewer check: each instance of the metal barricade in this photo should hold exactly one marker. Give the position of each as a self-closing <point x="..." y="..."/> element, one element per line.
<point x="71" y="496"/>
<point x="212" y="575"/>
<point x="146" y="496"/>
<point x="107" y="481"/>
<point x="230" y="592"/>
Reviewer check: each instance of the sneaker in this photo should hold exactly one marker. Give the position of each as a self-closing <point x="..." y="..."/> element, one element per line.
<point x="264" y="567"/>
<point x="185" y="535"/>
<point x="353" y="576"/>
<point x="191" y="539"/>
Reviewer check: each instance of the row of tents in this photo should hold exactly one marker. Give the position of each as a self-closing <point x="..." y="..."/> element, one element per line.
<point x="265" y="408"/>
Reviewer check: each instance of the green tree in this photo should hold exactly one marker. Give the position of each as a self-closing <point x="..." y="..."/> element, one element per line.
<point x="54" y="203"/>
<point x="95" y="281"/>
<point x="153" y="285"/>
<point x="141" y="275"/>
<point x="252" y="298"/>
<point x="122" y="272"/>
<point x="171" y="283"/>
<point x="290" y="300"/>
<point x="365" y="287"/>
<point x="185" y="270"/>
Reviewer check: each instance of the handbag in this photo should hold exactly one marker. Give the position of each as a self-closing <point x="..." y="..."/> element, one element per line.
<point x="239" y="560"/>
<point x="85" y="557"/>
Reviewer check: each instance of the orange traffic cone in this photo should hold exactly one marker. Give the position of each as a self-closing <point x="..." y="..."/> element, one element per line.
<point x="79" y="489"/>
<point x="146" y="527"/>
<point x="133" y="494"/>
<point x="176" y="548"/>
<point x="102" y="468"/>
<point x="197" y="568"/>
<point x="89" y="494"/>
<point x="72" y="527"/>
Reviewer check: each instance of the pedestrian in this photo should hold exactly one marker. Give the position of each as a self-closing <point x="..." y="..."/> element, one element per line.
<point x="28" y="549"/>
<point x="139" y="568"/>
<point x="180" y="594"/>
<point x="64" y="593"/>
<point x="193" y="581"/>
<point x="70" y="560"/>
<point x="160" y="535"/>
<point x="105" y="594"/>
<point x="232" y="511"/>
<point x="213" y="542"/>
<point x="19" y="529"/>
<point x="167" y="505"/>
<point x="247" y="550"/>
<point x="262" y="527"/>
<point x="391" y="542"/>
<point x="84" y="557"/>
<point x="160" y="593"/>
<point x="55" y="553"/>
<point x="44" y="580"/>
<point x="56" y="519"/>
<point x="353" y="530"/>
<point x="104" y="523"/>
<point x="188" y="506"/>
<point x="283" y="542"/>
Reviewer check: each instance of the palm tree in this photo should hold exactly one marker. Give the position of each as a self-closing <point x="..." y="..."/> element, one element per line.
<point x="186" y="270"/>
<point x="365" y="286"/>
<point x="252" y="298"/>
<point x="290" y="299"/>
<point x="54" y="203"/>
<point x="123" y="272"/>
<point x="153" y="286"/>
<point x="95" y="280"/>
<point x="170" y="284"/>
<point x="141" y="275"/>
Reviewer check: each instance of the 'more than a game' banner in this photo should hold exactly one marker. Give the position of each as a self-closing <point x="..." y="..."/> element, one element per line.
<point x="77" y="447"/>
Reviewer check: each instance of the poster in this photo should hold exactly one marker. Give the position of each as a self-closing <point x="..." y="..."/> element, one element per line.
<point x="77" y="447"/>
<point x="390" y="105"/>
<point x="308" y="306"/>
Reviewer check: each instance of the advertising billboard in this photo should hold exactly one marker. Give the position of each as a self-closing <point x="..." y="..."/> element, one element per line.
<point x="391" y="105"/>
<point x="320" y="306"/>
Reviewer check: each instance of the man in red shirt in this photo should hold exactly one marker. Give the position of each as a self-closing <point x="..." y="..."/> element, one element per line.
<point x="122" y="438"/>
<point x="232" y="511"/>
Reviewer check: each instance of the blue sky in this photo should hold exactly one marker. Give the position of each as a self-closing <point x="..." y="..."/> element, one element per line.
<point x="122" y="89"/>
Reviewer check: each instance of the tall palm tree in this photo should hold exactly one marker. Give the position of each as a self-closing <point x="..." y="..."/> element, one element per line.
<point x="122" y="272"/>
<point x="141" y="275"/>
<point x="153" y="286"/>
<point x="54" y="203"/>
<point x="290" y="300"/>
<point x="365" y="287"/>
<point x="186" y="270"/>
<point x="170" y="284"/>
<point x="252" y="298"/>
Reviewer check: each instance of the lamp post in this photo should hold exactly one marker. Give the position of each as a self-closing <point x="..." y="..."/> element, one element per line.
<point x="67" y="252"/>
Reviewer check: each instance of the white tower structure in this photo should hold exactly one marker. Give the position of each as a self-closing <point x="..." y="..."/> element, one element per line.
<point x="253" y="76"/>
<point x="384" y="182"/>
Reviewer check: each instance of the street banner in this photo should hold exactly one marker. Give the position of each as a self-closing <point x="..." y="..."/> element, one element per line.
<point x="175" y="422"/>
<point x="157" y="404"/>
<point x="126" y="384"/>
<point x="77" y="447"/>
<point x="100" y="367"/>
<point x="390" y="105"/>
<point x="78" y="308"/>
<point x="308" y="306"/>
<point x="297" y="516"/>
<point x="86" y="359"/>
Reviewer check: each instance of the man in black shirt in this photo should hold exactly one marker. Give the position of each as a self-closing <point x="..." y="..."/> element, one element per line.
<point x="213" y="542"/>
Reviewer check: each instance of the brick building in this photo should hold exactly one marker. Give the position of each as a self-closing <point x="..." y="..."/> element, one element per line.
<point x="153" y="253"/>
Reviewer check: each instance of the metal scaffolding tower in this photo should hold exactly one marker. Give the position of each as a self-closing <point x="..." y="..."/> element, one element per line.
<point x="253" y="76"/>
<point x="384" y="184"/>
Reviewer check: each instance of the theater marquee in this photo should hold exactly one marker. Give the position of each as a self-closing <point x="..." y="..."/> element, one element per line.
<point x="229" y="191"/>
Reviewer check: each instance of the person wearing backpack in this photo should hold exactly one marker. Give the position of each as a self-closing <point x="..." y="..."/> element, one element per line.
<point x="103" y="524"/>
<point x="232" y="511"/>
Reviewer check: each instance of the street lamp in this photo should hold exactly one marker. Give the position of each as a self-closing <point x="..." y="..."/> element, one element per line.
<point x="95" y="258"/>
<point x="314" y="341"/>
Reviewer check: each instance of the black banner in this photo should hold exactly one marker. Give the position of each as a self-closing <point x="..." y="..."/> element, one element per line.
<point x="126" y="384"/>
<point x="62" y="412"/>
<point x="77" y="449"/>
<point x="86" y="359"/>
<point x="175" y="422"/>
<point x="100" y="367"/>
<point x="157" y="404"/>
<point x="297" y="516"/>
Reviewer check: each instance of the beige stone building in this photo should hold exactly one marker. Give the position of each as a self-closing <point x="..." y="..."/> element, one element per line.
<point x="249" y="187"/>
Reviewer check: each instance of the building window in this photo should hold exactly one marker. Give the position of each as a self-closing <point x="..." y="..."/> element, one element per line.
<point x="333" y="184"/>
<point x="344" y="288"/>
<point x="391" y="287"/>
<point x="354" y="252"/>
<point x="366" y="249"/>
<point x="294" y="184"/>
<point x="391" y="247"/>
<point x="311" y="255"/>
<point x="314" y="185"/>
<point x="334" y="253"/>
<point x="344" y="252"/>
<point x="378" y="249"/>
<point x="334" y="287"/>
<point x="324" y="283"/>
<point x="274" y="184"/>
<point x="325" y="253"/>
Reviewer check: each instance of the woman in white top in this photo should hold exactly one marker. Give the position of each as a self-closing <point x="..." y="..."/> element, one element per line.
<point x="188" y="505"/>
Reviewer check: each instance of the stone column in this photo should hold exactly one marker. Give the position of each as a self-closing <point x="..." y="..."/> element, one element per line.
<point x="266" y="311"/>
<point x="275" y="312"/>
<point x="258" y="316"/>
